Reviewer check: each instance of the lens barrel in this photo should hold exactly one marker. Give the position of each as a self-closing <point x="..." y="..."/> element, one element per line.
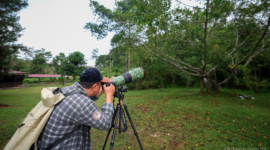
<point x="132" y="75"/>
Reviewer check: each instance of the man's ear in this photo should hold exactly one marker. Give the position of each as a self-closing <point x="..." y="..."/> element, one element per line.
<point x="94" y="86"/>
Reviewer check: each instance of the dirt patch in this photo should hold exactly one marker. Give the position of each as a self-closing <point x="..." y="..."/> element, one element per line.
<point x="4" y="105"/>
<point x="155" y="134"/>
<point x="143" y="109"/>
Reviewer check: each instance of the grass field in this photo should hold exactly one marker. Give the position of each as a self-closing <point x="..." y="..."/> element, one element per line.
<point x="176" y="118"/>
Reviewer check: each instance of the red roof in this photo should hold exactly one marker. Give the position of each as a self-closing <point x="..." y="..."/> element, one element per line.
<point x="45" y="75"/>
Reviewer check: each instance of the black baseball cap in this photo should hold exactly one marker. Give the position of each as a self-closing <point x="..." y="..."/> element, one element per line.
<point x="91" y="75"/>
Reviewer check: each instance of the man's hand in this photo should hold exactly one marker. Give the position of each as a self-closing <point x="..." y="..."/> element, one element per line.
<point x="109" y="91"/>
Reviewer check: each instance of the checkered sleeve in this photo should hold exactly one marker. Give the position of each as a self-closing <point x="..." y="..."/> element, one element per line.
<point x="92" y="116"/>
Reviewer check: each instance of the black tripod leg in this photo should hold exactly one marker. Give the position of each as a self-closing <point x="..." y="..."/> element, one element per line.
<point x="120" y="108"/>
<point x="133" y="127"/>
<point x="109" y="131"/>
<point x="115" y="125"/>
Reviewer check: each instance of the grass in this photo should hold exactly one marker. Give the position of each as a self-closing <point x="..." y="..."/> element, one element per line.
<point x="176" y="118"/>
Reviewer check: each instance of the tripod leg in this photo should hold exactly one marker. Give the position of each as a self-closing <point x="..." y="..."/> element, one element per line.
<point x="133" y="127"/>
<point x="115" y="125"/>
<point x="109" y="131"/>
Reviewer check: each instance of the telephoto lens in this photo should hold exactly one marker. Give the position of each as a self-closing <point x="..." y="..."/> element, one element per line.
<point x="132" y="75"/>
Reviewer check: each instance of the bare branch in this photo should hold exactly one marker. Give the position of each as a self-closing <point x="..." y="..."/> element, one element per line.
<point x="212" y="69"/>
<point x="237" y="39"/>
<point x="225" y="81"/>
<point x="181" y="68"/>
<point x="255" y="54"/>
<point x="194" y="68"/>
<point x="260" y="40"/>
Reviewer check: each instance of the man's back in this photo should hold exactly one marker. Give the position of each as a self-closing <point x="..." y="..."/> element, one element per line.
<point x="75" y="111"/>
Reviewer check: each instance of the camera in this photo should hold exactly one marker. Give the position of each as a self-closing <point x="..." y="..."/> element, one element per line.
<point x="132" y="75"/>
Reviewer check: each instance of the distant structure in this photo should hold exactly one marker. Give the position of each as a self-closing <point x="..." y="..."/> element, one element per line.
<point x="12" y="79"/>
<point x="45" y="76"/>
<point x="15" y="78"/>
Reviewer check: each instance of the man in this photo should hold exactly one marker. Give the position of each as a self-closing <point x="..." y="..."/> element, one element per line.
<point x="79" y="113"/>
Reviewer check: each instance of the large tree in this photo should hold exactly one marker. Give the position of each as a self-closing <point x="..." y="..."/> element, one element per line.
<point x="40" y="61"/>
<point x="73" y="65"/>
<point x="224" y="34"/>
<point x="10" y="31"/>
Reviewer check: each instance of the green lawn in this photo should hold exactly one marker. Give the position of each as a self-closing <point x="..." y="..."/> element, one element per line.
<point x="176" y="118"/>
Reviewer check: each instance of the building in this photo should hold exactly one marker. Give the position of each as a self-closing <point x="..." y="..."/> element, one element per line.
<point x="12" y="79"/>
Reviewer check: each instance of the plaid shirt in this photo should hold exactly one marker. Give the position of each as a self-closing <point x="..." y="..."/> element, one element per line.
<point x="75" y="110"/>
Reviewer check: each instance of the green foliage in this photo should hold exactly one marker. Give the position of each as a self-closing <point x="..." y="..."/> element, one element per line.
<point x="10" y="31"/>
<point x="39" y="62"/>
<point x="201" y="42"/>
<point x="73" y="65"/>
<point x="250" y="80"/>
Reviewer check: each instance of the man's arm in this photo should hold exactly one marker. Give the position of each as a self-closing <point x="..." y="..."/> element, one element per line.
<point x="92" y="116"/>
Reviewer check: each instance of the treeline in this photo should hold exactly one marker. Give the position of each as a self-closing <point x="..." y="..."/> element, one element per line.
<point x="42" y="62"/>
<point x="223" y="43"/>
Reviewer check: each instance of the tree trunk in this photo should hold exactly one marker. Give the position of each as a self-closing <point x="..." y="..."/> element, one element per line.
<point x="217" y="88"/>
<point x="161" y="85"/>
<point x="201" y="85"/>
<point x="74" y="78"/>
<point x="187" y="81"/>
<point x="128" y="58"/>
<point x="209" y="84"/>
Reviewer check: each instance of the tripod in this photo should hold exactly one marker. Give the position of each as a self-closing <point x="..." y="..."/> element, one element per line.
<point x="119" y="115"/>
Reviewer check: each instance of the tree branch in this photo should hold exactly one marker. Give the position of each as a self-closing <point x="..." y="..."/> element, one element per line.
<point x="264" y="33"/>
<point x="255" y="54"/>
<point x="205" y="35"/>
<point x="212" y="69"/>
<point x="237" y="39"/>
<point x="225" y="81"/>
<point x="181" y="68"/>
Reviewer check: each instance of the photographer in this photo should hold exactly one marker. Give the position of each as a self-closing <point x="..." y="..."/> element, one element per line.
<point x="77" y="113"/>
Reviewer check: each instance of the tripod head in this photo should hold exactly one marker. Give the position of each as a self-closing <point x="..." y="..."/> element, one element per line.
<point x="119" y="91"/>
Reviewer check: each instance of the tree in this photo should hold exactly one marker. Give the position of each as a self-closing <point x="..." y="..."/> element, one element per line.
<point x="94" y="55"/>
<point x="40" y="60"/>
<point x="73" y="65"/>
<point x="10" y="31"/>
<point x="57" y="61"/>
<point x="197" y="41"/>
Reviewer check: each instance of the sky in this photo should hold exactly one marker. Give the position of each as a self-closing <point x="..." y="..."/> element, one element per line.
<point x="58" y="26"/>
